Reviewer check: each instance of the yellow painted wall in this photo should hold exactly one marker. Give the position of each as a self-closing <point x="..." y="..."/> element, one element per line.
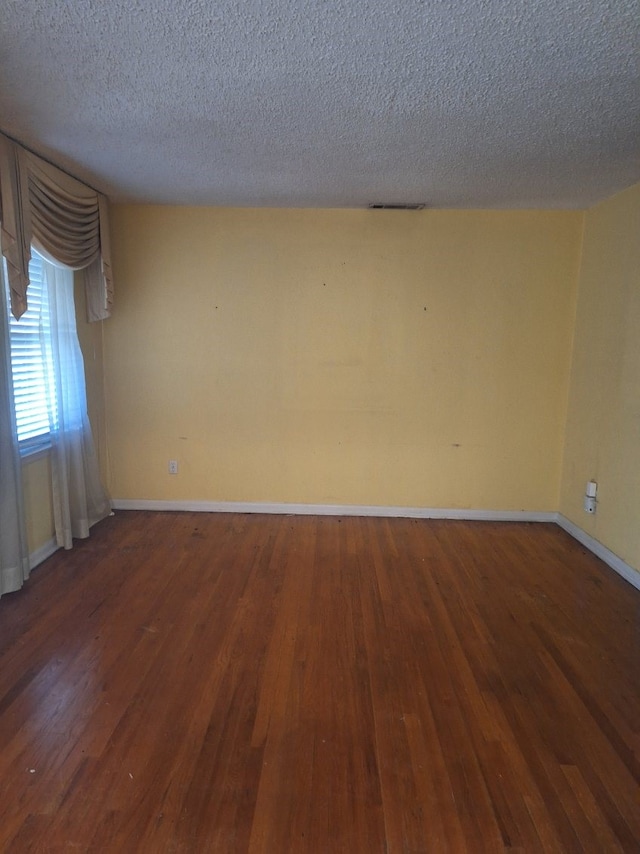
<point x="36" y="471"/>
<point x="603" y="423"/>
<point x="358" y="357"/>
<point x="36" y="486"/>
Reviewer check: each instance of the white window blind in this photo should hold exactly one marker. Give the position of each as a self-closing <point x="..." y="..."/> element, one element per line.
<point x="32" y="363"/>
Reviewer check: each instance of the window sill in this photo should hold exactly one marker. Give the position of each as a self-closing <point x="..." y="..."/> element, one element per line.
<point x="30" y="453"/>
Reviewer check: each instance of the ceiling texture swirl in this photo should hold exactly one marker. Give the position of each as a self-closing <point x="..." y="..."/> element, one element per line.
<point x="329" y="103"/>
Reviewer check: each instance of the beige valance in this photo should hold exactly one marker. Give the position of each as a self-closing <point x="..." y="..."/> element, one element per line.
<point x="67" y="222"/>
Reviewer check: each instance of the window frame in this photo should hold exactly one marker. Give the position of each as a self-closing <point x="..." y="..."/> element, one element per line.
<point x="39" y="444"/>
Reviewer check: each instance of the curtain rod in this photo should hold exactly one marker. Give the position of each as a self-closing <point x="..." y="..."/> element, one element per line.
<point x="50" y="162"/>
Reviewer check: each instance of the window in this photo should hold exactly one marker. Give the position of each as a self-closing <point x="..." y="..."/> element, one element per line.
<point x="32" y="364"/>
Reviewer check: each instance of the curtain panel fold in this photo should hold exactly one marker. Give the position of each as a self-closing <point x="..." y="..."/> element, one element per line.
<point x="67" y="222"/>
<point x="79" y="499"/>
<point x="16" y="233"/>
<point x="14" y="552"/>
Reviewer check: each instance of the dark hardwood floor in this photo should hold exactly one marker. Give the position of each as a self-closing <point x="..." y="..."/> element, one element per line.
<point x="187" y="682"/>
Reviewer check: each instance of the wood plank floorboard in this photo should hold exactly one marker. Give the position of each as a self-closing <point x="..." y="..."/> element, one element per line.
<point x="188" y="683"/>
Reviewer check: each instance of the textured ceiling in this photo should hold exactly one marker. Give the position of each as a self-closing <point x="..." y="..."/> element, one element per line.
<point x="329" y="103"/>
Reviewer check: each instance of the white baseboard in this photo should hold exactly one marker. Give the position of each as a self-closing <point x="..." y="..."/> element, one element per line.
<point x="336" y="510"/>
<point x="610" y="558"/>
<point x="39" y="555"/>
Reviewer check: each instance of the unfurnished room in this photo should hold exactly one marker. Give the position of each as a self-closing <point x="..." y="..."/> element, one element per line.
<point x="320" y="426"/>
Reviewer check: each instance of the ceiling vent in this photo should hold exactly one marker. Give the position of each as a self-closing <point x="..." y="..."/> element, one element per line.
<point x="409" y="206"/>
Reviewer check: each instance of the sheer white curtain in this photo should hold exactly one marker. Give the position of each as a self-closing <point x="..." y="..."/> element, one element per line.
<point x="14" y="553"/>
<point x="79" y="498"/>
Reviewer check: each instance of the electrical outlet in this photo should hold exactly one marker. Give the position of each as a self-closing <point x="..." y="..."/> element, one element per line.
<point x="173" y="467"/>
<point x="590" y="497"/>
